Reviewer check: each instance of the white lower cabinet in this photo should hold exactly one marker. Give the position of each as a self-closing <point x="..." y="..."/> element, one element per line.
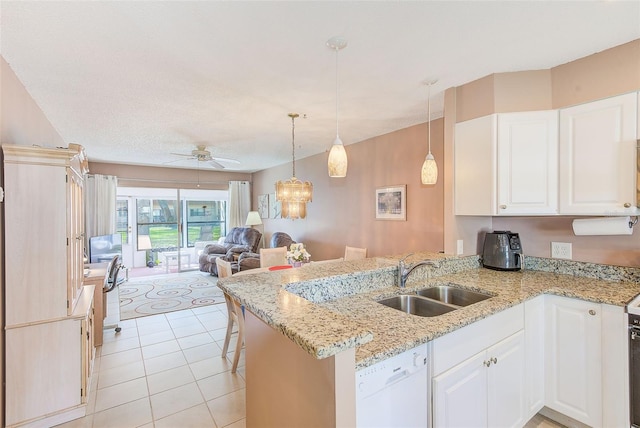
<point x="567" y="354"/>
<point x="486" y="390"/>
<point x="534" y="355"/>
<point x="573" y="381"/>
<point x="479" y="373"/>
<point x="586" y="361"/>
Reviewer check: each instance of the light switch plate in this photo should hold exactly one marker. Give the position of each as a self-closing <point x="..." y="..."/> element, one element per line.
<point x="459" y="247"/>
<point x="561" y="250"/>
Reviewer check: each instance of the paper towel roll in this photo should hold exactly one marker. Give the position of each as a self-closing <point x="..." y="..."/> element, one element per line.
<point x="603" y="226"/>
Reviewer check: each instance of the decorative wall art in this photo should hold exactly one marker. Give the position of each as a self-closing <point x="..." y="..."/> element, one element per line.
<point x="391" y="203"/>
<point x="263" y="205"/>
<point x="275" y="207"/>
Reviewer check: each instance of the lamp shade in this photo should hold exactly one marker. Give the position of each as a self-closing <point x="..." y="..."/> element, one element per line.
<point x="337" y="163"/>
<point x="429" y="170"/>
<point x="253" y="218"/>
<point x="144" y="242"/>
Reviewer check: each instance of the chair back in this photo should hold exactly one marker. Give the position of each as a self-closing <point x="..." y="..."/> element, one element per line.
<point x="273" y="256"/>
<point x="224" y="268"/>
<point x="354" y="253"/>
<point x="113" y="268"/>
<point x="246" y="236"/>
<point x="281" y="239"/>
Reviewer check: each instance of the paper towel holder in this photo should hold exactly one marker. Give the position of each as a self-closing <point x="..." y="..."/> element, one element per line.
<point x="610" y="225"/>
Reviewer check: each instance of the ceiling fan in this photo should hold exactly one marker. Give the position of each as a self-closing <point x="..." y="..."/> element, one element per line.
<point x="201" y="154"/>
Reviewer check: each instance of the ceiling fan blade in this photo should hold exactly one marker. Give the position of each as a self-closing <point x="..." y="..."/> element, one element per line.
<point x="226" y="160"/>
<point x="181" y="154"/>
<point x="175" y="160"/>
<point x="215" y="164"/>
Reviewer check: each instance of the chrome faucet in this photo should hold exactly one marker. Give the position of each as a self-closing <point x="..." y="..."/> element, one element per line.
<point x="404" y="270"/>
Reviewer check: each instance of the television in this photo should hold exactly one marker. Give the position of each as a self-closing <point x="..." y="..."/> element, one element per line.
<point x="102" y="248"/>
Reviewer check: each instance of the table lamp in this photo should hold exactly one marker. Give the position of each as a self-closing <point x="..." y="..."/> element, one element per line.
<point x="144" y="243"/>
<point x="253" y="219"/>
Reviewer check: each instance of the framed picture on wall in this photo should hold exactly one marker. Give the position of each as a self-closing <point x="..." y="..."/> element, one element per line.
<point x="263" y="205"/>
<point x="391" y="203"/>
<point x="275" y="207"/>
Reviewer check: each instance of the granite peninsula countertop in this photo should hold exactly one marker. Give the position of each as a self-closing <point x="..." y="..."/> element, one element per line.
<point x="326" y="308"/>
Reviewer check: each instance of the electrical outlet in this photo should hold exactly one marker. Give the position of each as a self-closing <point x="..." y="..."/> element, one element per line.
<point x="460" y="247"/>
<point x="561" y="250"/>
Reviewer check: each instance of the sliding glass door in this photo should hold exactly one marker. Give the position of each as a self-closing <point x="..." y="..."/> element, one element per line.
<point x="166" y="229"/>
<point x="157" y="223"/>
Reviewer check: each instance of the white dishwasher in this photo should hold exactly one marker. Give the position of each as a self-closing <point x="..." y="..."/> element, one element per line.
<point x="393" y="392"/>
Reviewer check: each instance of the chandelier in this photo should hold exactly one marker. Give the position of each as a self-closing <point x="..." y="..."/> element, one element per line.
<point x="293" y="193"/>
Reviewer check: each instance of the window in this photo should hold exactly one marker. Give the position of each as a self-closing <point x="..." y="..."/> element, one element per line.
<point x="205" y="221"/>
<point x="122" y="219"/>
<point x="158" y="218"/>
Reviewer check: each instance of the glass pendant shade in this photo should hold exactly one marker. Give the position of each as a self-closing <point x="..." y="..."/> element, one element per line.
<point x="429" y="170"/>
<point x="294" y="194"/>
<point x="429" y="173"/>
<point x="338" y="162"/>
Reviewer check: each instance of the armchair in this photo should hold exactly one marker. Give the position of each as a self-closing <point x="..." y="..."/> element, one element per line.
<point x="237" y="241"/>
<point x="251" y="260"/>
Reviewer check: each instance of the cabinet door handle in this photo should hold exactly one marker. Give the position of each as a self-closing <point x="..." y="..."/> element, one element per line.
<point x="592" y="312"/>
<point x="487" y="363"/>
<point x="494" y="360"/>
<point x="627" y="205"/>
<point x="503" y="207"/>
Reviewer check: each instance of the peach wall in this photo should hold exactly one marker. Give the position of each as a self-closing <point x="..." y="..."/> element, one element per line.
<point x="474" y="99"/>
<point x="343" y="209"/>
<point x="22" y="122"/>
<point x="604" y="74"/>
<point x="504" y="92"/>
<point x="168" y="178"/>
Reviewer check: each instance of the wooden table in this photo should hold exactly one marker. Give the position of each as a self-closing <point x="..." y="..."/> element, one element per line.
<point x="97" y="276"/>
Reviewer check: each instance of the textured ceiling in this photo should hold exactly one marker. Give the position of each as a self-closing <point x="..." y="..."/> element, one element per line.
<point x="136" y="81"/>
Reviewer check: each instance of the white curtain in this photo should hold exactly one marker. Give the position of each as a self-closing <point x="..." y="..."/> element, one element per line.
<point x="99" y="205"/>
<point x="239" y="203"/>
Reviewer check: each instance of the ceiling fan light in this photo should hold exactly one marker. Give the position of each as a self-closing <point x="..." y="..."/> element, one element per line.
<point x="429" y="173"/>
<point x="338" y="162"/>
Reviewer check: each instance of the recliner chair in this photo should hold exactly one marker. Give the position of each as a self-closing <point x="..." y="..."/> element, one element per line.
<point x="239" y="240"/>
<point x="251" y="260"/>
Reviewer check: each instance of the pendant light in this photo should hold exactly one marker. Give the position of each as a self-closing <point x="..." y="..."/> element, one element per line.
<point x="337" y="163"/>
<point x="429" y="173"/>
<point x="293" y="193"/>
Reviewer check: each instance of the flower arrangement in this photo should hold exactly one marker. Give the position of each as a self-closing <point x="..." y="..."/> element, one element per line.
<point x="297" y="253"/>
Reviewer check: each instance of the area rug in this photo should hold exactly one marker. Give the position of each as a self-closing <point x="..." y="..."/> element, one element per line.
<point x="159" y="294"/>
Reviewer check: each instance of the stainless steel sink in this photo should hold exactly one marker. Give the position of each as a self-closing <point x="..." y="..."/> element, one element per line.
<point x="416" y="305"/>
<point x="453" y="295"/>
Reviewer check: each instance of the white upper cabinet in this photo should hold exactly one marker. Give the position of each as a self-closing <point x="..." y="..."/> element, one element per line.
<point x="507" y="164"/>
<point x="598" y="157"/>
<point x="528" y="163"/>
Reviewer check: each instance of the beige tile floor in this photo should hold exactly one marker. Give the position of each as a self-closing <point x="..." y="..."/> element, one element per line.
<point x="166" y="371"/>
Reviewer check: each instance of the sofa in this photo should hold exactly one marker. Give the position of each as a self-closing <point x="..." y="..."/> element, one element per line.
<point x="239" y="240"/>
<point x="251" y="260"/>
